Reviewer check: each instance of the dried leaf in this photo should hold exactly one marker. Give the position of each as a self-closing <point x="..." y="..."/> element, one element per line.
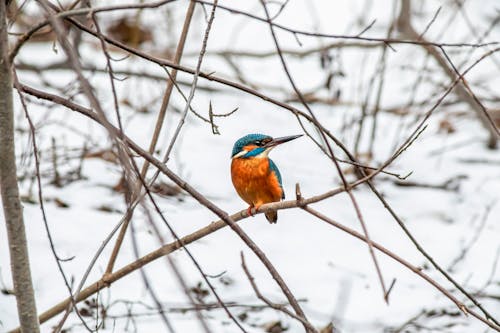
<point x="106" y="154"/>
<point x="108" y="209"/>
<point x="243" y="316"/>
<point x="129" y="32"/>
<point x="85" y="312"/>
<point x="60" y="203"/>
<point x="166" y="190"/>
<point x="121" y="186"/>
<point x="446" y="126"/>
<point x="199" y="292"/>
<point x="274" y="327"/>
<point x="327" y="329"/>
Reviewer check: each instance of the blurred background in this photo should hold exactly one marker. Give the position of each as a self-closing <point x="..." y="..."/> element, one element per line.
<point x="381" y="77"/>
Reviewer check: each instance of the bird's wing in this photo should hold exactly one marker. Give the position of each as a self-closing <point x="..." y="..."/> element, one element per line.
<point x="274" y="169"/>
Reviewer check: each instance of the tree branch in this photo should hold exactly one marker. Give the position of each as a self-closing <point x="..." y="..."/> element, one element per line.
<point x="12" y="208"/>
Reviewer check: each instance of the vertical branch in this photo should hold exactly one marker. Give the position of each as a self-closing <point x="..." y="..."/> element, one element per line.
<point x="73" y="60"/>
<point x="57" y="258"/>
<point x="382" y="72"/>
<point x="18" y="247"/>
<point x="158" y="127"/>
<point x="170" y="85"/>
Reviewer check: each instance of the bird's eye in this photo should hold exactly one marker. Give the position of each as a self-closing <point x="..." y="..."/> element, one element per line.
<point x="258" y="143"/>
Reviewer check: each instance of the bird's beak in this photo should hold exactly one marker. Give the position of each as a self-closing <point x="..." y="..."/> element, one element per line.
<point x="277" y="141"/>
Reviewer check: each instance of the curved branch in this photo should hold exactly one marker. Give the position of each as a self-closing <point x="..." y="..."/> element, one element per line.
<point x="214" y="226"/>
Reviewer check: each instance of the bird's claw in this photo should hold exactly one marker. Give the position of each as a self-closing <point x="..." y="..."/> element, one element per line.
<point x="249" y="210"/>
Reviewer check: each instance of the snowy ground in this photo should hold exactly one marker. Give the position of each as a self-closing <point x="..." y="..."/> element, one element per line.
<point x="329" y="271"/>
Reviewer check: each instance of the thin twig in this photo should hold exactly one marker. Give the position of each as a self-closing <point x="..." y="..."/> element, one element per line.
<point x="193" y="85"/>
<point x="331" y="154"/>
<point x="414" y="269"/>
<point x="157" y="130"/>
<point x="483" y="57"/>
<point x="276" y="306"/>
<point x="57" y="258"/>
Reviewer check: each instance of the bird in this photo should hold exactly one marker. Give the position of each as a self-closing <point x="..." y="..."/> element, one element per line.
<point x="255" y="176"/>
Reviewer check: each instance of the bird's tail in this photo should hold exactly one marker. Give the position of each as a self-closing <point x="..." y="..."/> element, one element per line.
<point x="272" y="216"/>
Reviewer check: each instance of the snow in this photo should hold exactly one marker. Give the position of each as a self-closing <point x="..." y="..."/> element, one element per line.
<point x="329" y="271"/>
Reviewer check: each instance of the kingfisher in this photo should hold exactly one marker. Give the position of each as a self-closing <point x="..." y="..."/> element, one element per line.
<point x="255" y="176"/>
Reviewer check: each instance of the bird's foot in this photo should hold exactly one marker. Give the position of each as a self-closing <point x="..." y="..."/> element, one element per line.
<point x="249" y="209"/>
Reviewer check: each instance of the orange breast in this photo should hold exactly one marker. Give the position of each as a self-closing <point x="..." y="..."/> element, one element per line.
<point x="254" y="181"/>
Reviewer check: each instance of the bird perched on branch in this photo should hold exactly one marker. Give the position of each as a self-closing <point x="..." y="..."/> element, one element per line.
<point x="255" y="176"/>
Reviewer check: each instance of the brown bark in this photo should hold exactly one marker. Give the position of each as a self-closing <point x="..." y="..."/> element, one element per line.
<point x="21" y="274"/>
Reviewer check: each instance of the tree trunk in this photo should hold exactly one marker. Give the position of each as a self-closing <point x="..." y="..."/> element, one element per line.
<point x="12" y="208"/>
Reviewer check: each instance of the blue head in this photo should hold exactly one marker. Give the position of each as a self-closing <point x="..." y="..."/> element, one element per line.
<point x="253" y="145"/>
